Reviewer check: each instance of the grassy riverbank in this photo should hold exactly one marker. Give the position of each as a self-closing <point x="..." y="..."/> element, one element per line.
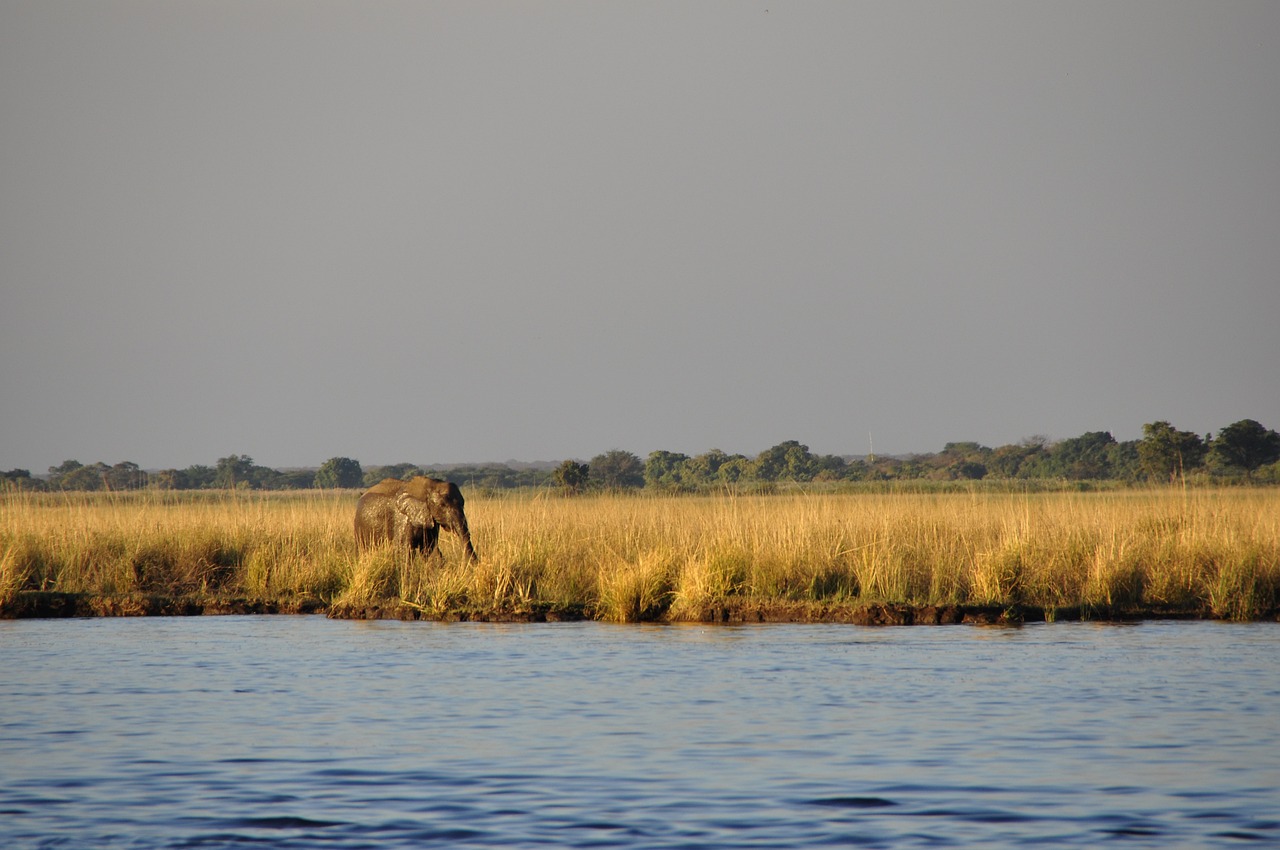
<point x="801" y="556"/>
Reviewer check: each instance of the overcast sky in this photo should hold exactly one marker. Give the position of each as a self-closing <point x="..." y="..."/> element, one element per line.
<point x="443" y="232"/>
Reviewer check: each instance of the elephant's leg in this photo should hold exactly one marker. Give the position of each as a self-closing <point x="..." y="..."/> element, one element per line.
<point x="430" y="535"/>
<point x="416" y="538"/>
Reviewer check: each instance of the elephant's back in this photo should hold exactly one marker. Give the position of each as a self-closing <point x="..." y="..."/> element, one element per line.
<point x="385" y="487"/>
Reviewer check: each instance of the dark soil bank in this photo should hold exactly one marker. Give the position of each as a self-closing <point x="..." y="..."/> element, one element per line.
<point x="744" y="611"/>
<point x="48" y="604"/>
<point x="45" y="604"/>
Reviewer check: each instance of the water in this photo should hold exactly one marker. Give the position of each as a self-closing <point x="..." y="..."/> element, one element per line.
<point x="305" y="732"/>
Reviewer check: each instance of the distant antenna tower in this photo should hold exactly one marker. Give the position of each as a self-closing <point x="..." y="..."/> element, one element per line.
<point x="871" y="443"/>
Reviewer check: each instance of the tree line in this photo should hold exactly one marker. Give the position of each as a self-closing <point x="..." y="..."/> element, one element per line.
<point x="1243" y="451"/>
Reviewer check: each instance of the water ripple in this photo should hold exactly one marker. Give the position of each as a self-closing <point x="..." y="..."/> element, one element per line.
<point x="302" y="732"/>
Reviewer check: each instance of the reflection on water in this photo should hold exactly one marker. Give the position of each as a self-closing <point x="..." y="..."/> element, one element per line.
<point x="303" y="732"/>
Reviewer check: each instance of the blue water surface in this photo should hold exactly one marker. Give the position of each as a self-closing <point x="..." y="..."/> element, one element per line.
<point x="301" y="732"/>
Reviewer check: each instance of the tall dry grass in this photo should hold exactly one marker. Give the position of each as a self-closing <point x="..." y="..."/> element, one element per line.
<point x="267" y="546"/>
<point x="645" y="557"/>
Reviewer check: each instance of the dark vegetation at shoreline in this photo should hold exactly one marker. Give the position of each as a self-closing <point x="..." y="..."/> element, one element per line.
<point x="55" y="605"/>
<point x="1243" y="452"/>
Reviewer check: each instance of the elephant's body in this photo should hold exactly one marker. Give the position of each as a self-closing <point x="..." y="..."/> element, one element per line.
<point x="379" y="520"/>
<point x="410" y="514"/>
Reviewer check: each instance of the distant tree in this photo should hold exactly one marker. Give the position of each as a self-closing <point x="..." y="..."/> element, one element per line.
<point x="1005" y="460"/>
<point x="1165" y="453"/>
<point x="339" y="472"/>
<point x="487" y="476"/>
<point x="233" y="472"/>
<point x="168" y="479"/>
<point x="736" y="468"/>
<point x="125" y="476"/>
<point x="856" y="470"/>
<point x="18" y="479"/>
<point x="1083" y="457"/>
<point x="969" y="470"/>
<point x="572" y="476"/>
<point x="617" y="470"/>
<point x="1269" y="474"/>
<point x="830" y="468"/>
<point x="405" y="471"/>
<point x="914" y="467"/>
<point x="295" y="479"/>
<point x="198" y="477"/>
<point x="1029" y="458"/>
<point x="787" y="461"/>
<point x="665" y="470"/>
<point x="884" y="468"/>
<point x="963" y="450"/>
<point x="90" y="478"/>
<point x="1123" y="462"/>
<point x="966" y="460"/>
<point x="58" y="474"/>
<point x="1246" y="445"/>
<point x="704" y="470"/>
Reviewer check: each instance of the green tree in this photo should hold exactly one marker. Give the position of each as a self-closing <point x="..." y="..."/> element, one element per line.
<point x="339" y="472"/>
<point x="1165" y="453"/>
<point x="18" y="479"/>
<point x="968" y="470"/>
<point x="617" y="470"/>
<point x="572" y="476"/>
<point x="92" y="477"/>
<point x="787" y="461"/>
<point x="198" y="477"/>
<point x="1086" y="457"/>
<point x="704" y="470"/>
<point x="1028" y="459"/>
<point x="1246" y="445"/>
<point x="964" y="461"/>
<point x="295" y="479"/>
<point x="856" y="470"/>
<point x="58" y="474"/>
<point x="913" y="467"/>
<point x="737" y="468"/>
<point x="125" y="476"/>
<point x="829" y="468"/>
<point x="1123" y="461"/>
<point x="233" y="472"/>
<point x="665" y="470"/>
<point x="169" y="479"/>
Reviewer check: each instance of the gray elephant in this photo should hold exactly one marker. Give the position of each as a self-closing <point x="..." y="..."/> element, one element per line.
<point x="411" y="513"/>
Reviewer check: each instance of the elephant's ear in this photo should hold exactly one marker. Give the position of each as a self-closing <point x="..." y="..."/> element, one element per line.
<point x="414" y="509"/>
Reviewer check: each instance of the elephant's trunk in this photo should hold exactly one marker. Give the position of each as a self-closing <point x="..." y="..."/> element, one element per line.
<point x="457" y="523"/>
<point x="467" y="549"/>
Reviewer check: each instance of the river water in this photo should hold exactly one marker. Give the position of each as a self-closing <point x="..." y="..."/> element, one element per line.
<point x="307" y="732"/>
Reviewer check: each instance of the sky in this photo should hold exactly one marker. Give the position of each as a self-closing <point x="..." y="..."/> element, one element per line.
<point x="446" y="232"/>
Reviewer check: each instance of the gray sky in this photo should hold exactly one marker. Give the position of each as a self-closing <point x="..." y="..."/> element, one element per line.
<point x="438" y="232"/>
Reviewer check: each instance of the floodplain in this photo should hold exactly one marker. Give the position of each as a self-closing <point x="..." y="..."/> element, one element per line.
<point x="877" y="557"/>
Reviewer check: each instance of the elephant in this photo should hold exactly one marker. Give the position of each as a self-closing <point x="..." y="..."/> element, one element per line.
<point x="411" y="513"/>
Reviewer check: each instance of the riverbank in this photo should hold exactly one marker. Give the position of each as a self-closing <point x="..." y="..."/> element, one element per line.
<point x="783" y="558"/>
<point x="54" y="605"/>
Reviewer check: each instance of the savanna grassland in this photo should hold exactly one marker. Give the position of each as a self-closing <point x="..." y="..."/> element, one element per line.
<point x="860" y="557"/>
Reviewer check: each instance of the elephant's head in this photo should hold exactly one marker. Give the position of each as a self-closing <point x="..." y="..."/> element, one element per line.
<point x="414" y="511"/>
<point x="428" y="500"/>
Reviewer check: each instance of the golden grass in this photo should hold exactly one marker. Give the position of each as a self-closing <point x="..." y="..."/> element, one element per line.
<point x="638" y="557"/>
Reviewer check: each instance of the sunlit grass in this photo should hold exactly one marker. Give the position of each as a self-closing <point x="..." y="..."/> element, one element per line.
<point x="639" y="557"/>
